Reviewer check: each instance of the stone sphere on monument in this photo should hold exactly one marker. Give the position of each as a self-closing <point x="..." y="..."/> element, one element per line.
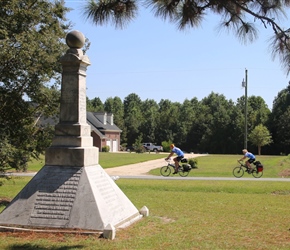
<point x="75" y="39"/>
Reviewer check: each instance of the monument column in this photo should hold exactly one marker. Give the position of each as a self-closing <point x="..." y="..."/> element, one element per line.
<point x="72" y="191"/>
<point x="73" y="144"/>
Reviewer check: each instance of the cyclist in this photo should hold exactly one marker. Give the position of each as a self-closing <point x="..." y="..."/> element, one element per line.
<point x="180" y="156"/>
<point x="251" y="159"/>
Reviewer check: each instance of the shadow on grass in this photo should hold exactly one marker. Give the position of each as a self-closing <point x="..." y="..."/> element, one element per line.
<point x="29" y="246"/>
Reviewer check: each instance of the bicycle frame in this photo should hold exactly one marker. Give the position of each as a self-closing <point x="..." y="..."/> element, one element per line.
<point x="238" y="172"/>
<point x="166" y="170"/>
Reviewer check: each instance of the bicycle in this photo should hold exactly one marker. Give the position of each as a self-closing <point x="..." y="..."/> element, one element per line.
<point x="239" y="171"/>
<point x="183" y="170"/>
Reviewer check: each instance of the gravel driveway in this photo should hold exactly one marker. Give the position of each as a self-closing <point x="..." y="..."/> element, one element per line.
<point x="142" y="168"/>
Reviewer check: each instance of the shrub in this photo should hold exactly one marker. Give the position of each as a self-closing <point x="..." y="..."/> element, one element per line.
<point x="166" y="145"/>
<point x="193" y="162"/>
<point x="139" y="148"/>
<point x="106" y="148"/>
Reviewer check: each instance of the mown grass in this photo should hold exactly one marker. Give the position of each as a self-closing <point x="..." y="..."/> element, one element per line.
<point x="185" y="214"/>
<point x="208" y="166"/>
<point x="107" y="160"/>
<point x="222" y="166"/>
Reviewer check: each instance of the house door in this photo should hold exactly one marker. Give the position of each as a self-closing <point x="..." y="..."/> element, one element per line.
<point x="115" y="146"/>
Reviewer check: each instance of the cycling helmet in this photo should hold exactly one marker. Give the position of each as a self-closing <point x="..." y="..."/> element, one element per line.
<point x="172" y="145"/>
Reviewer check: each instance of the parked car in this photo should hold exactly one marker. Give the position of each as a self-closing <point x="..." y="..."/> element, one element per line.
<point x="151" y="147"/>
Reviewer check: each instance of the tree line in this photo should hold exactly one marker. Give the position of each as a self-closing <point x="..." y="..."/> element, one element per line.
<point x="212" y="125"/>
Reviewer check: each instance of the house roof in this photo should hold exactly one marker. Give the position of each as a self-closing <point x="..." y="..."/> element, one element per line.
<point x="102" y="122"/>
<point x="99" y="122"/>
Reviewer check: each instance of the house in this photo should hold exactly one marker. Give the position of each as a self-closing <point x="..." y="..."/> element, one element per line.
<point x="104" y="131"/>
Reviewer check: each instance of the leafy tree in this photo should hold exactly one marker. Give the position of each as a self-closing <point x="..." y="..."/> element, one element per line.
<point x="32" y="41"/>
<point x="283" y="131"/>
<point x="281" y="102"/>
<point x="149" y="111"/>
<point x="260" y="136"/>
<point x="187" y="116"/>
<point x="236" y="15"/>
<point x="95" y="105"/>
<point x="277" y="125"/>
<point x="258" y="111"/>
<point x="132" y="117"/>
<point x="138" y="146"/>
<point x="166" y="145"/>
<point x="217" y="117"/>
<point x="168" y="123"/>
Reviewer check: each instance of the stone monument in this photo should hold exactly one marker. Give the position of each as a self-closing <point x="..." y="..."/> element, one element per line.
<point x="72" y="191"/>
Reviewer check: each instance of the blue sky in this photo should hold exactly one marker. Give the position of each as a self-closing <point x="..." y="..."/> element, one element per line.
<point x="155" y="60"/>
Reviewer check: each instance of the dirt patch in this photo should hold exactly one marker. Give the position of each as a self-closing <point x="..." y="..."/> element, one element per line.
<point x="285" y="173"/>
<point x="281" y="192"/>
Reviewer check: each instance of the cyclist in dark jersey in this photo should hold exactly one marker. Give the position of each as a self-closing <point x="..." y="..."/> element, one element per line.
<point x="180" y="156"/>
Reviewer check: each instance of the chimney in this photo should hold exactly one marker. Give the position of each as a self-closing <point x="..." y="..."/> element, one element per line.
<point x="111" y="119"/>
<point x="105" y="118"/>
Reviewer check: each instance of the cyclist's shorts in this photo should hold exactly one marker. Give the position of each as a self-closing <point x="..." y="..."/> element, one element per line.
<point x="251" y="160"/>
<point x="179" y="158"/>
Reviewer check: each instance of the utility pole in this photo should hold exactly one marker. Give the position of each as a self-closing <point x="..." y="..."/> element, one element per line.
<point x="245" y="85"/>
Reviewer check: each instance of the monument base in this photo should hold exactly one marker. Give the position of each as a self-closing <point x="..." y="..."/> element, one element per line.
<point x="70" y="198"/>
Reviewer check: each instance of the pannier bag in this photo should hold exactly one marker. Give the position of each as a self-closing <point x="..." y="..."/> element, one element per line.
<point x="186" y="167"/>
<point x="259" y="166"/>
<point x="184" y="160"/>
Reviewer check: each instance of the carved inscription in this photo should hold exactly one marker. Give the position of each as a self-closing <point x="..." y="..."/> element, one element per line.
<point x="108" y="194"/>
<point x="82" y="100"/>
<point x="56" y="197"/>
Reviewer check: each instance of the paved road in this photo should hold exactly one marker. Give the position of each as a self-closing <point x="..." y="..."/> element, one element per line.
<point x="151" y="177"/>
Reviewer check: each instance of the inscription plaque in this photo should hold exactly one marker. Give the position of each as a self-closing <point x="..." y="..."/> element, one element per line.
<point x="55" y="197"/>
<point x="107" y="192"/>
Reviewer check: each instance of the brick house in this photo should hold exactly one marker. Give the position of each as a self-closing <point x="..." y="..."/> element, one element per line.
<point x="104" y="131"/>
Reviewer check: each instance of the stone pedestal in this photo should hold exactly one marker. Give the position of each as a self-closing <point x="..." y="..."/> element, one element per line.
<point x="72" y="191"/>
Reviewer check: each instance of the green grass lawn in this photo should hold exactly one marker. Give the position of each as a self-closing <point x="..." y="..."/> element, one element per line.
<point x="222" y="166"/>
<point x="108" y="160"/>
<point x="208" y="166"/>
<point x="185" y="214"/>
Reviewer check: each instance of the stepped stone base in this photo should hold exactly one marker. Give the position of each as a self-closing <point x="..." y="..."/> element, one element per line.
<point x="70" y="198"/>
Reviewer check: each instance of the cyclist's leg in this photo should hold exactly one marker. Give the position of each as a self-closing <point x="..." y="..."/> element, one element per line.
<point x="249" y="162"/>
<point x="176" y="163"/>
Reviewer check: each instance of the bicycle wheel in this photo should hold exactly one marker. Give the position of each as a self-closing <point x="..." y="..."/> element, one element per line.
<point x="257" y="174"/>
<point x="165" y="171"/>
<point x="182" y="172"/>
<point x="238" y="172"/>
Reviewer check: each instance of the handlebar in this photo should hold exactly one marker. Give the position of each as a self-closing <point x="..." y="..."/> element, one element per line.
<point x="241" y="162"/>
<point x="168" y="159"/>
